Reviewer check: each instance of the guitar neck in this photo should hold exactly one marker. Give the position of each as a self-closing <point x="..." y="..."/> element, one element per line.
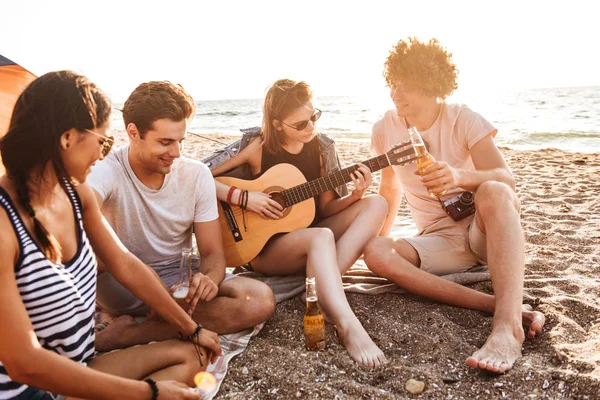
<point x="330" y="181"/>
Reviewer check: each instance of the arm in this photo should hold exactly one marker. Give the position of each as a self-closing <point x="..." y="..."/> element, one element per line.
<point x="330" y="204"/>
<point x="239" y="159"/>
<point x="489" y="164"/>
<point x="28" y="362"/>
<point x="391" y="189"/>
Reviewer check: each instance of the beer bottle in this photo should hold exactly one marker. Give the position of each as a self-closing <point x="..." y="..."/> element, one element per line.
<point x="314" y="323"/>
<point x="182" y="287"/>
<point x="424" y="159"/>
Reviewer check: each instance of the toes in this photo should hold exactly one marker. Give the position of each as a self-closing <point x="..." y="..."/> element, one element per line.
<point x="505" y="366"/>
<point x="472" y="362"/>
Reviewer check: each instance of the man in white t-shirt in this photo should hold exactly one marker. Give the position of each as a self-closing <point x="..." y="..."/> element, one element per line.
<point x="420" y="75"/>
<point x="153" y="198"/>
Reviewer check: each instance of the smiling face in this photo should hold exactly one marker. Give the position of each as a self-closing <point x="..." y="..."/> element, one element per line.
<point x="409" y="101"/>
<point x="155" y="153"/>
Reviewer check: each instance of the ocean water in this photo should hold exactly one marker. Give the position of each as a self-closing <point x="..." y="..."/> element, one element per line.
<point x="563" y="118"/>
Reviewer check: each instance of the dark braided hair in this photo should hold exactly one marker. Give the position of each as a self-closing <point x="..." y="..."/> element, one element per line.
<point x="50" y="106"/>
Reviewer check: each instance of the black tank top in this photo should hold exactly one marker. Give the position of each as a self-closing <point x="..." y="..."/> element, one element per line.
<point x="308" y="161"/>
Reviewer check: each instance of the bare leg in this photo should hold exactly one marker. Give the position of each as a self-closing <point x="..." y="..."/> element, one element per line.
<point x="172" y="359"/>
<point x="354" y="227"/>
<point x="313" y="250"/>
<point x="241" y="303"/>
<point x="396" y="260"/>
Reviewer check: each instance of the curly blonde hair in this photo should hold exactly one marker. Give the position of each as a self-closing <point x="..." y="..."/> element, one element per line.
<point x="426" y="67"/>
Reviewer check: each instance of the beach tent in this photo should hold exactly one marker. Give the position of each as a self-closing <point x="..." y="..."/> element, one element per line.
<point x="13" y="80"/>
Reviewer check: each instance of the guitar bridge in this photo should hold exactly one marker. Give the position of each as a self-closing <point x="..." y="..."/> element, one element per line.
<point x="234" y="228"/>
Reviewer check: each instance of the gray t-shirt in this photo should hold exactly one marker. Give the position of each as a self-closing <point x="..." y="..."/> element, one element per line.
<point x="154" y="224"/>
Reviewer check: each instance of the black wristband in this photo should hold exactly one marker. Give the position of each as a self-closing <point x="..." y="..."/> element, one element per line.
<point x="154" y="388"/>
<point x="190" y="337"/>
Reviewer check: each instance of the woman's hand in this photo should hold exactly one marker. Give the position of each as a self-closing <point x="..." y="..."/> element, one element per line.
<point x="362" y="180"/>
<point x="262" y="204"/>
<point x="210" y="341"/>
<point x="175" y="390"/>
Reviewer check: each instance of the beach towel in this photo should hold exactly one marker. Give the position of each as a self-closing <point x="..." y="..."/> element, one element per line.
<point x="359" y="279"/>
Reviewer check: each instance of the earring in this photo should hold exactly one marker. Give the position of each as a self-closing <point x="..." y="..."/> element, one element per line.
<point x="67" y="145"/>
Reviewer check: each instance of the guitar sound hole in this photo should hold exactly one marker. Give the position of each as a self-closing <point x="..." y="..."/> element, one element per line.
<point x="279" y="198"/>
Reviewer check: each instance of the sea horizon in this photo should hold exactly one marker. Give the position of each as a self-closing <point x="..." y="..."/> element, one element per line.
<point x="565" y="118"/>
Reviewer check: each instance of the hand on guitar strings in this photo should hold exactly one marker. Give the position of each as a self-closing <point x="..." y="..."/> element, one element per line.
<point x="262" y="204"/>
<point x="362" y="180"/>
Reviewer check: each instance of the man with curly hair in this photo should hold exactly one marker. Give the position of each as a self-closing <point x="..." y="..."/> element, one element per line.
<point x="420" y="76"/>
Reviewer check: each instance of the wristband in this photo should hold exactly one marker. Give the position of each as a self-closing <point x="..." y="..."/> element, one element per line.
<point x="154" y="388"/>
<point x="230" y="193"/>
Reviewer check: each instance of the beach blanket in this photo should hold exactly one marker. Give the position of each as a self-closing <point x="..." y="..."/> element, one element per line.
<point x="357" y="280"/>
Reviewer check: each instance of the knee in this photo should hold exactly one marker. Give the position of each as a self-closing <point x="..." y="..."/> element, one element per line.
<point x="256" y="300"/>
<point x="377" y="255"/>
<point x="496" y="198"/>
<point x="189" y="359"/>
<point x="321" y="236"/>
<point x="377" y="206"/>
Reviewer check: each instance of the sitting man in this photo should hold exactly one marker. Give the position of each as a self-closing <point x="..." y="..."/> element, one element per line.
<point x="153" y="198"/>
<point x="420" y="75"/>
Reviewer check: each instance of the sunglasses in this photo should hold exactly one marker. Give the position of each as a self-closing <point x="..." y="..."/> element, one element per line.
<point x="302" y="125"/>
<point x="107" y="142"/>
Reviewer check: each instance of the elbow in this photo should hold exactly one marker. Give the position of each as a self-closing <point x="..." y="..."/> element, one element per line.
<point x="23" y="370"/>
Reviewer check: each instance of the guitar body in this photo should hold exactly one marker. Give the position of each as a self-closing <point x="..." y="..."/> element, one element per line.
<point x="240" y="245"/>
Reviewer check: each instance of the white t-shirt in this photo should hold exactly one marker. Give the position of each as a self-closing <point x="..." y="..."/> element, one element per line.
<point x="455" y="131"/>
<point x="154" y="224"/>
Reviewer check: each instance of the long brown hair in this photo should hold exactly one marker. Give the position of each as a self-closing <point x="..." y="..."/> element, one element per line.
<point x="282" y="98"/>
<point x="50" y="106"/>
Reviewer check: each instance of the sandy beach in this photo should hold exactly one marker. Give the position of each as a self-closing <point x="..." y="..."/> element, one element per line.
<point x="429" y="342"/>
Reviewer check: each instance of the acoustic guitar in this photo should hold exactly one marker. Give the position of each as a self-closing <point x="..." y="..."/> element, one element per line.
<point x="288" y="186"/>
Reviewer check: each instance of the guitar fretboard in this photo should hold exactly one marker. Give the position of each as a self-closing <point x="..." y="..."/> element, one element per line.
<point x="330" y="181"/>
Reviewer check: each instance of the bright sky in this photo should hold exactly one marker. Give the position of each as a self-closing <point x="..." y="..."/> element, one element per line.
<point x="235" y="49"/>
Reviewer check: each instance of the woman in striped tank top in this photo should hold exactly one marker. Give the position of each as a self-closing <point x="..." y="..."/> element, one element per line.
<point x="52" y="229"/>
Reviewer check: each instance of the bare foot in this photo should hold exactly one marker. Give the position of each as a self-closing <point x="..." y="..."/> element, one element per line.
<point x="108" y="338"/>
<point x="500" y="351"/>
<point x="359" y="345"/>
<point x="534" y="320"/>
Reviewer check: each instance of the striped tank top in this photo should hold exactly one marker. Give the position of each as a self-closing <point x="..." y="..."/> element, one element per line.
<point x="59" y="298"/>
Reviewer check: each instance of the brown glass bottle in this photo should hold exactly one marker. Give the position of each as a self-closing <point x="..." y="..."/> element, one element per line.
<point x="314" y="323"/>
<point x="424" y="159"/>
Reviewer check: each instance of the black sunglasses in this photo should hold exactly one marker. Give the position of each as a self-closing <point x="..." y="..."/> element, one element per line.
<point x="302" y="125"/>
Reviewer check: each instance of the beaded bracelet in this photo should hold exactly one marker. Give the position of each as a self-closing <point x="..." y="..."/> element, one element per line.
<point x="154" y="388"/>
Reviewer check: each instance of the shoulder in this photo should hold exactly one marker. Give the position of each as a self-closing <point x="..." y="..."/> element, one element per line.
<point x="463" y="115"/>
<point x="112" y="166"/>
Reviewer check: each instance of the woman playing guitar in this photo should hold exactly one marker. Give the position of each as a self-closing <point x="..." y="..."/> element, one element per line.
<point x="342" y="225"/>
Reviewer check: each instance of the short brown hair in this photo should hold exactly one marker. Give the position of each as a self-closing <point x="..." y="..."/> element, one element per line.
<point x="283" y="97"/>
<point x="424" y="66"/>
<point x="156" y="100"/>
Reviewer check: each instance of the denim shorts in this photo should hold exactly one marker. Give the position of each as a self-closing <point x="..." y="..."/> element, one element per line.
<point x="32" y="393"/>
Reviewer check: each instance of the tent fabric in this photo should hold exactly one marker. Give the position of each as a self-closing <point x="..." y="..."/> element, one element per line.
<point x="13" y="80"/>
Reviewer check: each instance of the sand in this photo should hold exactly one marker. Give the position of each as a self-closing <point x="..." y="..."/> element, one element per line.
<point x="429" y="342"/>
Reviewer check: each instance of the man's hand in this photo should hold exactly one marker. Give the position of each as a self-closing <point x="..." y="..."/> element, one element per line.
<point x="201" y="288"/>
<point x="439" y="176"/>
<point x="362" y="180"/>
